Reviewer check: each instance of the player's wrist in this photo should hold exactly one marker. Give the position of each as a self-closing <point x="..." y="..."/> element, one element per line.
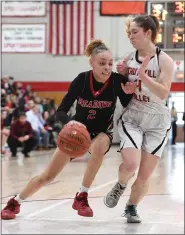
<point x="145" y="78"/>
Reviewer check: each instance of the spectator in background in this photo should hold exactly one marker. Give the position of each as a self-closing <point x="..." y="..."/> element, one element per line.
<point x="6" y="85"/>
<point x="21" y="134"/>
<point x="56" y="125"/>
<point x="38" y="102"/>
<point x="48" y="126"/>
<point x="52" y="104"/>
<point x="5" y="129"/>
<point x="19" y="108"/>
<point x="3" y="97"/>
<point x="27" y="92"/>
<point x="47" y="104"/>
<point x="173" y="123"/>
<point x="29" y="105"/>
<point x="42" y="135"/>
<point x="183" y="118"/>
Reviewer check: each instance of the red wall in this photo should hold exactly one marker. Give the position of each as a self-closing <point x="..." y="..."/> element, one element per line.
<point x="63" y="86"/>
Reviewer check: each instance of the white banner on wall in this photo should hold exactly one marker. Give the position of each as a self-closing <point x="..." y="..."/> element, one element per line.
<point x="23" y="8"/>
<point x="24" y="38"/>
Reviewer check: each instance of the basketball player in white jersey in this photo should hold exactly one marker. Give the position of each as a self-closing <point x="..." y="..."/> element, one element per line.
<point x="145" y="123"/>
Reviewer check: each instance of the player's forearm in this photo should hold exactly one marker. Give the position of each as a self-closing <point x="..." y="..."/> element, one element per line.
<point x="62" y="117"/>
<point x="156" y="88"/>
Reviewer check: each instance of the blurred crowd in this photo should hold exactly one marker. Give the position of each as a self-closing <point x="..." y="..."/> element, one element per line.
<point x="27" y="121"/>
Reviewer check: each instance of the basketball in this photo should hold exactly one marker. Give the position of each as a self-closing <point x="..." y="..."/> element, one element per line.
<point x="74" y="140"/>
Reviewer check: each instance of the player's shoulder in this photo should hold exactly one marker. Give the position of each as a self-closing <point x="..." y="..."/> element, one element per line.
<point x="163" y="57"/>
<point x="82" y="76"/>
<point x="129" y="56"/>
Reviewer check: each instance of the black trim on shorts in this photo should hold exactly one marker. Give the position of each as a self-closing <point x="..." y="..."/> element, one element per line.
<point x="109" y="134"/>
<point x="155" y="150"/>
<point x="124" y="129"/>
<point x="122" y="146"/>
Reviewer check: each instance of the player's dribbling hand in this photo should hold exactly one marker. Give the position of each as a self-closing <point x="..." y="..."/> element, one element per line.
<point x="129" y="87"/>
<point x="71" y="123"/>
<point x="122" y="67"/>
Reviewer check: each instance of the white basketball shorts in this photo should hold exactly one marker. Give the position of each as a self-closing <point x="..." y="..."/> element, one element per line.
<point x="145" y="131"/>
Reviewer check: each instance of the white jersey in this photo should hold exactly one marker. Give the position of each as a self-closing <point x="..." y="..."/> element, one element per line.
<point x="144" y="100"/>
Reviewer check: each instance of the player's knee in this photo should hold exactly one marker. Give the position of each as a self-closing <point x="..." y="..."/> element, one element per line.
<point x="130" y="161"/>
<point x="100" y="147"/>
<point x="129" y="166"/>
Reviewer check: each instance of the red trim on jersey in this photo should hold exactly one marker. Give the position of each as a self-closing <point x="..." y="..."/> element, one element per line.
<point x="97" y="93"/>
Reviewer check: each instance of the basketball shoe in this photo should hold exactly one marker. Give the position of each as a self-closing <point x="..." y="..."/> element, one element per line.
<point x="12" y="208"/>
<point x="81" y="205"/>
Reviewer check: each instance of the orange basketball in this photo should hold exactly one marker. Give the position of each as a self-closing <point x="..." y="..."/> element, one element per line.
<point x="74" y="140"/>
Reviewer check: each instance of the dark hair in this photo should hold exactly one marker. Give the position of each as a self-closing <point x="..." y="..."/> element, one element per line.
<point x="21" y="114"/>
<point x="148" y="22"/>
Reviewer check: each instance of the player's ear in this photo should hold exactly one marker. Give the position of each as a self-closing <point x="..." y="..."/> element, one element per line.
<point x="90" y="62"/>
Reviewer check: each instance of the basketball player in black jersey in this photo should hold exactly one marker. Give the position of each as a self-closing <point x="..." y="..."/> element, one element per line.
<point x="96" y="92"/>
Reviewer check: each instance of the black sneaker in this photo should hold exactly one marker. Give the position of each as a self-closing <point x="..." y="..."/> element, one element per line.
<point x="131" y="214"/>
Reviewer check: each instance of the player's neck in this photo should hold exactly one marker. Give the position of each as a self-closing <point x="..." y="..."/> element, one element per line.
<point x="150" y="50"/>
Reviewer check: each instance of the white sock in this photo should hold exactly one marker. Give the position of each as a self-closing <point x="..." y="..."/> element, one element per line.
<point x="84" y="189"/>
<point x="130" y="204"/>
<point x="17" y="198"/>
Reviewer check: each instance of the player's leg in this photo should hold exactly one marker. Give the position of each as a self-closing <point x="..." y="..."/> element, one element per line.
<point x="99" y="146"/>
<point x="153" y="145"/>
<point x="55" y="166"/>
<point x="130" y="144"/>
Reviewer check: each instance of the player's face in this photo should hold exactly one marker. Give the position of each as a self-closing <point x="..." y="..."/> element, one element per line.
<point x="138" y="38"/>
<point x="102" y="65"/>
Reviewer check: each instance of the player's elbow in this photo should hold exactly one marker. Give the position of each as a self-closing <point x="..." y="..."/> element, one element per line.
<point x="164" y="95"/>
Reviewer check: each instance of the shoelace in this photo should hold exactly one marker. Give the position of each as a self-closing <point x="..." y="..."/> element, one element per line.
<point x="116" y="193"/>
<point x="130" y="210"/>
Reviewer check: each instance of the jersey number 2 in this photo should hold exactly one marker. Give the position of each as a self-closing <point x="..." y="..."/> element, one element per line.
<point x="92" y="114"/>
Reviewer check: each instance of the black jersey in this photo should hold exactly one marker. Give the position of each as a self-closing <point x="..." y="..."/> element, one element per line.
<point x="96" y="101"/>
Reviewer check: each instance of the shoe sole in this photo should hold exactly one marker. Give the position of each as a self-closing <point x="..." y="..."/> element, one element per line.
<point x="133" y="222"/>
<point x="74" y="208"/>
<point x="130" y="221"/>
<point x="7" y="218"/>
<point x="90" y="215"/>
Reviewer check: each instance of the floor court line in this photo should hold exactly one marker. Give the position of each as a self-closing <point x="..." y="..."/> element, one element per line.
<point x="63" y="202"/>
<point x="84" y="219"/>
<point x="59" y="199"/>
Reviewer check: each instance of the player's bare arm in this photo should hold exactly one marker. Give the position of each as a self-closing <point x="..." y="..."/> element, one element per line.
<point x="160" y="89"/>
